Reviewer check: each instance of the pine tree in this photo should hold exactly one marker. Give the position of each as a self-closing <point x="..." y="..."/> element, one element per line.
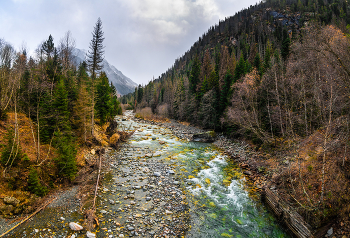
<point x="60" y="107"/>
<point x="103" y="104"/>
<point x="95" y="58"/>
<point x="240" y="69"/>
<point x="194" y="75"/>
<point x="34" y="184"/>
<point x="66" y="159"/>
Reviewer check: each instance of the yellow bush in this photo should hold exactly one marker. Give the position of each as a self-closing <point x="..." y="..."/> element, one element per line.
<point x="114" y="139"/>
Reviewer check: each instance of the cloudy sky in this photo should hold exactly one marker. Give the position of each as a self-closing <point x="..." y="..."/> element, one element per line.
<point x="142" y="37"/>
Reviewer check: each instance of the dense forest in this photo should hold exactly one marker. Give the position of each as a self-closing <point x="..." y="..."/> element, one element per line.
<point x="277" y="74"/>
<point x="48" y="108"/>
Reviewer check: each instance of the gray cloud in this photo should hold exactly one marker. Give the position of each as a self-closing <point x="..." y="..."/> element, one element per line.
<point x="142" y="37"/>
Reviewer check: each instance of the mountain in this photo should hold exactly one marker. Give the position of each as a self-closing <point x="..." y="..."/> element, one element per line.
<point x="123" y="84"/>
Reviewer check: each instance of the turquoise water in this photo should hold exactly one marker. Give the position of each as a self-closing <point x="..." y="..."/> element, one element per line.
<point x="221" y="202"/>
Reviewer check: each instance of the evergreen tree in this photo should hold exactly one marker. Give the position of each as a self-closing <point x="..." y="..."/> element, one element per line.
<point x="225" y="92"/>
<point x="34" y="184"/>
<point x="60" y="107"/>
<point x="194" y="75"/>
<point x="95" y="58"/>
<point x="66" y="159"/>
<point x="103" y="104"/>
<point x="139" y="94"/>
<point x="48" y="47"/>
<point x="240" y="69"/>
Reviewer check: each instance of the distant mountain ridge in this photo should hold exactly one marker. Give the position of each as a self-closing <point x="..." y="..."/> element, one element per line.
<point x="123" y="84"/>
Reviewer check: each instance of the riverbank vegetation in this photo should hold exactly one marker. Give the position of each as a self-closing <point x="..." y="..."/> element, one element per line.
<point x="48" y="110"/>
<point x="276" y="74"/>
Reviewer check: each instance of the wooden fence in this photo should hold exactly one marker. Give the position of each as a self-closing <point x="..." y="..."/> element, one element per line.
<point x="287" y="215"/>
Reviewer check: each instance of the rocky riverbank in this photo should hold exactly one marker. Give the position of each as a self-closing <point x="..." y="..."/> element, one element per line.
<point x="260" y="168"/>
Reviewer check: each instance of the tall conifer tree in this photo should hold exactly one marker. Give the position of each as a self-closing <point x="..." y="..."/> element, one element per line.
<point x="95" y="58"/>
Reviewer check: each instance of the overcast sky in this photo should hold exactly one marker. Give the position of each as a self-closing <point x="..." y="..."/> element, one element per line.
<point x="142" y="37"/>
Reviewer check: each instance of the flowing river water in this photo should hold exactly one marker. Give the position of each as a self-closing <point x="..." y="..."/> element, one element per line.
<point x="161" y="186"/>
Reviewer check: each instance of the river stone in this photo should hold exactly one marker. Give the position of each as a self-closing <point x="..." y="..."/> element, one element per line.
<point x="75" y="226"/>
<point x="145" y="170"/>
<point x="89" y="234"/>
<point x="329" y="232"/>
<point x="111" y="202"/>
<point x="148" y="198"/>
<point x="103" y="211"/>
<point x="11" y="201"/>
<point x="157" y="174"/>
<point x="168" y="212"/>
<point x="130" y="228"/>
<point x="170" y="172"/>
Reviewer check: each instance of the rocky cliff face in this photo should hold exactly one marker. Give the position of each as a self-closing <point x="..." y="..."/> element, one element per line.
<point x="123" y="84"/>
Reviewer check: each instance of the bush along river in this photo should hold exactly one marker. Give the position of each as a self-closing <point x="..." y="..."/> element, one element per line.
<point x="161" y="186"/>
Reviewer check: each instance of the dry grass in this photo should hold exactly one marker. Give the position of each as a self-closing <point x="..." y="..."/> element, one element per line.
<point x="26" y="132"/>
<point x="147" y="114"/>
<point x="298" y="175"/>
<point x="185" y="123"/>
<point x="114" y="138"/>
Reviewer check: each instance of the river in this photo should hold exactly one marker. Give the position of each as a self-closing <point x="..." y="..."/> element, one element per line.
<point x="161" y="186"/>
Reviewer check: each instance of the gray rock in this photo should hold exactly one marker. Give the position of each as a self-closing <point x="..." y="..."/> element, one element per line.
<point x="90" y="234"/>
<point x="157" y="174"/>
<point x="170" y="172"/>
<point x="329" y="232"/>
<point x="75" y="226"/>
<point x="103" y="211"/>
<point x="148" y="198"/>
<point x="130" y="228"/>
<point x="111" y="202"/>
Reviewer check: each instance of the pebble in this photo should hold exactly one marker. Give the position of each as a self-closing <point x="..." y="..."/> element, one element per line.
<point x="329" y="232"/>
<point x="89" y="234"/>
<point x="168" y="212"/>
<point x="157" y="174"/>
<point x="111" y="202"/>
<point x="170" y="172"/>
<point x="75" y="226"/>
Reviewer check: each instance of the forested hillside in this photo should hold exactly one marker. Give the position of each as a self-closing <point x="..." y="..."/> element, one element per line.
<point x="277" y="74"/>
<point x="47" y="108"/>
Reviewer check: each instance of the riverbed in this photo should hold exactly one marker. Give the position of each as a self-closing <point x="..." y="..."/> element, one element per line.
<point x="161" y="186"/>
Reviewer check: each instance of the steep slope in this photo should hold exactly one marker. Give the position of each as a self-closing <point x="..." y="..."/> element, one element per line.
<point x="123" y="84"/>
